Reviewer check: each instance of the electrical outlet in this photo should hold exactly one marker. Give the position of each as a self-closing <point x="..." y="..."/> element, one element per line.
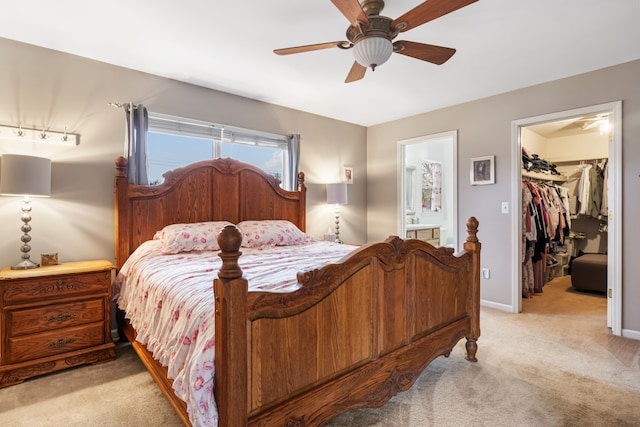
<point x="505" y="207"/>
<point x="486" y="273"/>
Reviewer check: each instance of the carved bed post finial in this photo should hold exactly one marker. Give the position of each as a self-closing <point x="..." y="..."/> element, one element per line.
<point x="121" y="166"/>
<point x="472" y="229"/>
<point x="302" y="202"/>
<point x="230" y="240"/>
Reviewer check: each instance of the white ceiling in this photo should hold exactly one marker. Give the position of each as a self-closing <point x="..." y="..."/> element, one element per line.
<point x="501" y="45"/>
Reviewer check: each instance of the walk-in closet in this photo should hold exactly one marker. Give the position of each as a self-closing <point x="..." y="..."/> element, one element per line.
<point x="565" y="205"/>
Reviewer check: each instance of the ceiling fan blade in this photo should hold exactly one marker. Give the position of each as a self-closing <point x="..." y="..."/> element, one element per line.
<point x="435" y="54"/>
<point x="309" y="48"/>
<point x="352" y="10"/>
<point x="428" y="11"/>
<point x="356" y="73"/>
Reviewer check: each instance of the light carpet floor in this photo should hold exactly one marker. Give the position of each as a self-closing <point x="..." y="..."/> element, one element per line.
<point x="555" y="364"/>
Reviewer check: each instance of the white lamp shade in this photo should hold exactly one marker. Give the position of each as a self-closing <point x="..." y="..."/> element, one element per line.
<point x="372" y="51"/>
<point x="25" y="176"/>
<point x="337" y="193"/>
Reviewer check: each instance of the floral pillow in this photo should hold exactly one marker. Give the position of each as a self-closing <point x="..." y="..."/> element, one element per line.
<point x="256" y="234"/>
<point x="197" y="236"/>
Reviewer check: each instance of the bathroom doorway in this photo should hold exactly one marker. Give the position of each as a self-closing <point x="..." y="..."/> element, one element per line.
<point x="427" y="171"/>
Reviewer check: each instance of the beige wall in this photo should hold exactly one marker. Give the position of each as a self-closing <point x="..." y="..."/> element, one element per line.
<point x="44" y="88"/>
<point x="484" y="128"/>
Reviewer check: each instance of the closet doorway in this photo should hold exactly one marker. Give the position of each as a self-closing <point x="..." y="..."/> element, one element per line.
<point x="584" y="119"/>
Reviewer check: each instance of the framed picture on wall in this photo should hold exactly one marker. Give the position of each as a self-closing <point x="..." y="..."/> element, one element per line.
<point x="482" y="171"/>
<point x="348" y="174"/>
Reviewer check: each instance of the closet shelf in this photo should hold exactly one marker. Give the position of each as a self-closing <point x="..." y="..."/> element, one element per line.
<point x="544" y="176"/>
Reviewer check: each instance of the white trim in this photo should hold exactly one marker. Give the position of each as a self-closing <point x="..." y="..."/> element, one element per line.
<point x="516" y="218"/>
<point x="630" y="333"/>
<point x="401" y="226"/>
<point x="614" y="275"/>
<point x="496" y="305"/>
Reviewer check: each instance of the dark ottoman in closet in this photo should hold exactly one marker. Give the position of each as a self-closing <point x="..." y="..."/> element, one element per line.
<point x="589" y="273"/>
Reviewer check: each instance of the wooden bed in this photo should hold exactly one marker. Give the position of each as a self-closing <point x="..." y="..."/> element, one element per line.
<point x="354" y="335"/>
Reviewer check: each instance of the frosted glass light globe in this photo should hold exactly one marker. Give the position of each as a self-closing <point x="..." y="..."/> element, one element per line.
<point x="372" y="51"/>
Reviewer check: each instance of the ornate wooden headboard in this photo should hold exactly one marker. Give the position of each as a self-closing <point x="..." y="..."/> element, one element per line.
<point x="210" y="190"/>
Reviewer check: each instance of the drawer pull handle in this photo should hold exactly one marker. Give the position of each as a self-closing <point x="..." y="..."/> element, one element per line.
<point x="60" y="343"/>
<point x="61" y="317"/>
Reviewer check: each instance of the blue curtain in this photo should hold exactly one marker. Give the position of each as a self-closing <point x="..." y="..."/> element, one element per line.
<point x="135" y="149"/>
<point x="294" y="156"/>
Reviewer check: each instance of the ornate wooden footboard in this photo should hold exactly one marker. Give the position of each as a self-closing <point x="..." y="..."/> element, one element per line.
<point x="354" y="335"/>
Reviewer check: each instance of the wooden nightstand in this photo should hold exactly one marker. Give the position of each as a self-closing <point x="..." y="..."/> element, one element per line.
<point x="54" y="317"/>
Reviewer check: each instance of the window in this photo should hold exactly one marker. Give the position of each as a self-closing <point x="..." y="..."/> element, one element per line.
<point x="173" y="142"/>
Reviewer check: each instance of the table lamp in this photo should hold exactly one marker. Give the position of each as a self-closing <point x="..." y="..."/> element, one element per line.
<point x="26" y="176"/>
<point x="337" y="195"/>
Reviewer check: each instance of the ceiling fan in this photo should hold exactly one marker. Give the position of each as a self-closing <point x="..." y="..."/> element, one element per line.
<point x="371" y="35"/>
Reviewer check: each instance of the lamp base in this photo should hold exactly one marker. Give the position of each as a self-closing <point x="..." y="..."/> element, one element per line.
<point x="25" y="264"/>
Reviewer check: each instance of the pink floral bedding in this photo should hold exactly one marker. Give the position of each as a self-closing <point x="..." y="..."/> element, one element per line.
<point x="169" y="301"/>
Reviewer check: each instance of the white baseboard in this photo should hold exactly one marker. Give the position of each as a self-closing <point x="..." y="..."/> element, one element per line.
<point x="497" y="306"/>
<point x="630" y="333"/>
<point x="114" y="335"/>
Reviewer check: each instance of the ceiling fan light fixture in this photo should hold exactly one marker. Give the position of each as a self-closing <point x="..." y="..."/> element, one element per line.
<point x="372" y="51"/>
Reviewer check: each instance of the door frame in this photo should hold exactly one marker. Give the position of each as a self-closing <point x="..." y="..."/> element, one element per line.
<point x="614" y="237"/>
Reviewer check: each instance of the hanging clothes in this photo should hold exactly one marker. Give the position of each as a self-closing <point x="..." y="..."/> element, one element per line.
<point x="592" y="190"/>
<point x="596" y="177"/>
<point x="584" y="189"/>
<point x="545" y="219"/>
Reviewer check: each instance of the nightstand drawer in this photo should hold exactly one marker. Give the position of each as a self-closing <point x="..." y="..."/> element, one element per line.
<point x="30" y="290"/>
<point x="31" y="347"/>
<point x="425" y="234"/>
<point x="46" y="318"/>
